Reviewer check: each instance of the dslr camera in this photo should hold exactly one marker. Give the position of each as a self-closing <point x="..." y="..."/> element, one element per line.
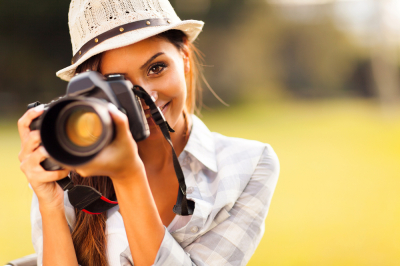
<point x="77" y="126"/>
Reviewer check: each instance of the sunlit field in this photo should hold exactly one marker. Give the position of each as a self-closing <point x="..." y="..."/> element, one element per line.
<point x="337" y="200"/>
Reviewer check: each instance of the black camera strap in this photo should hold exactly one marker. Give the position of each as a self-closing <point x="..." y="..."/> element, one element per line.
<point x="89" y="200"/>
<point x="183" y="205"/>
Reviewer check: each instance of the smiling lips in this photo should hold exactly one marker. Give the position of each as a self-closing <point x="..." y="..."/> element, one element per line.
<point x="162" y="108"/>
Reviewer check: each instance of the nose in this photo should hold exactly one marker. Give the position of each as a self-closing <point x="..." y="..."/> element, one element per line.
<point x="151" y="91"/>
<point x="154" y="94"/>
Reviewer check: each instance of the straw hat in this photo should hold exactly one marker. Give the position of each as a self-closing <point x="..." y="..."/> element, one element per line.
<point x="99" y="25"/>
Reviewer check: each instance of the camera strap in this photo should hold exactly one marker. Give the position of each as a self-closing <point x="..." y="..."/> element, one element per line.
<point x="183" y="206"/>
<point x="85" y="198"/>
<point x="89" y="200"/>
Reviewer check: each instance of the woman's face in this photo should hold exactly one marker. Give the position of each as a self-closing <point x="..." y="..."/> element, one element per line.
<point x="157" y="66"/>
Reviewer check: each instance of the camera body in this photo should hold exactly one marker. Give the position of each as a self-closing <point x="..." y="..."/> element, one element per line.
<point x="77" y="126"/>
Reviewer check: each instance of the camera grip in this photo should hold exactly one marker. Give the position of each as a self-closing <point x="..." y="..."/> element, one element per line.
<point x="35" y="124"/>
<point x="131" y="104"/>
<point x="50" y="165"/>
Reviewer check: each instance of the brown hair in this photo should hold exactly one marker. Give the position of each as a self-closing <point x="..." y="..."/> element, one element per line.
<point x="89" y="237"/>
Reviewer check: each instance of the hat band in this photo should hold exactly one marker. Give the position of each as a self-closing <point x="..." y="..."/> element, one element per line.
<point x="117" y="31"/>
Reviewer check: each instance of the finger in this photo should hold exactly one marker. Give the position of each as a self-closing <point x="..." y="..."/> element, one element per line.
<point x="35" y="172"/>
<point x="40" y="176"/>
<point x="120" y="120"/>
<point x="29" y="145"/>
<point x="51" y="176"/>
<point x="26" y="119"/>
<point x="39" y="155"/>
<point x="31" y="164"/>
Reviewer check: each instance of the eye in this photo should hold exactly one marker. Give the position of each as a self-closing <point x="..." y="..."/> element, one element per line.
<point x="156" y="69"/>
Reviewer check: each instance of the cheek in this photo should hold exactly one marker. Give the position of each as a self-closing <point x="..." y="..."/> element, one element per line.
<point x="180" y="91"/>
<point x="171" y="86"/>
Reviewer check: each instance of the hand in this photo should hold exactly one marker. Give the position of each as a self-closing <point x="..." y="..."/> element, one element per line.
<point x="120" y="158"/>
<point x="49" y="193"/>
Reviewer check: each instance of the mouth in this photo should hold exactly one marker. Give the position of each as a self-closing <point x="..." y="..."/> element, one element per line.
<point x="163" y="109"/>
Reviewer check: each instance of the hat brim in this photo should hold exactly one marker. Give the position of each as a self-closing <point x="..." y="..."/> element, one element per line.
<point x="191" y="28"/>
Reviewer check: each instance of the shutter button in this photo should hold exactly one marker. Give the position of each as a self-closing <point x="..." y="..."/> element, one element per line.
<point x="194" y="229"/>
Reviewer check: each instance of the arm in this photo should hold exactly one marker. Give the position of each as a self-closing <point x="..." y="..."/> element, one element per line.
<point x="57" y="243"/>
<point x="58" y="248"/>
<point x="143" y="225"/>
<point x="142" y="222"/>
<point x="37" y="228"/>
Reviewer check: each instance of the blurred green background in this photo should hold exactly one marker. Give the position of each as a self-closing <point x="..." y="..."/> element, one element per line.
<point x="318" y="80"/>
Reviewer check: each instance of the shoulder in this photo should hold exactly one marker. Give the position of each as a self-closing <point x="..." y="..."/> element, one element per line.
<point x="239" y="149"/>
<point x="219" y="152"/>
<point x="245" y="160"/>
<point x="235" y="163"/>
<point x="239" y="152"/>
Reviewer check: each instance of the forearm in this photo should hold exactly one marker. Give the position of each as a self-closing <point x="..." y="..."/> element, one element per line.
<point x="58" y="248"/>
<point x="143" y="225"/>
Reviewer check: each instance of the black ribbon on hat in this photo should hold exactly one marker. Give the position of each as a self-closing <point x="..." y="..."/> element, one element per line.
<point x="89" y="200"/>
<point x="118" y="31"/>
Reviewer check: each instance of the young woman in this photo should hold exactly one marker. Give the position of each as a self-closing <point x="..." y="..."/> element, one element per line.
<point x="230" y="181"/>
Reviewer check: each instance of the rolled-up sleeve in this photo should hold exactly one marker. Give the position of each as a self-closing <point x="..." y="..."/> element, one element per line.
<point x="234" y="240"/>
<point x="171" y="253"/>
<point x="37" y="231"/>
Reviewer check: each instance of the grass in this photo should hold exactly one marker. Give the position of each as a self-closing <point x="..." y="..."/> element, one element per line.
<point x="337" y="200"/>
<point x="15" y="197"/>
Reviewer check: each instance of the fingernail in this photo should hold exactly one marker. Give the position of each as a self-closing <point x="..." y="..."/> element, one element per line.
<point x="39" y="108"/>
<point x="112" y="108"/>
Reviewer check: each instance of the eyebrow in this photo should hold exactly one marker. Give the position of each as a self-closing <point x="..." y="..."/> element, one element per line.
<point x="151" y="59"/>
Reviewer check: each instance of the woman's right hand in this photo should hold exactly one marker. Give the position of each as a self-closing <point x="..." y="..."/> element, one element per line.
<point x="49" y="193"/>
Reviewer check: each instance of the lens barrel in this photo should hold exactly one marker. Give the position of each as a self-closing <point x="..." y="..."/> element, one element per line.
<point x="75" y="129"/>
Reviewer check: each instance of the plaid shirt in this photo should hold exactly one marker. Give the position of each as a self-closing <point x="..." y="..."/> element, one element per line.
<point x="230" y="180"/>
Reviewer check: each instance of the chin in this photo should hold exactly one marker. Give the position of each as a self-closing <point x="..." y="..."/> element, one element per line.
<point x="155" y="131"/>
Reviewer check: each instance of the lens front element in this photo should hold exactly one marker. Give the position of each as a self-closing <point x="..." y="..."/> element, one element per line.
<point x="83" y="128"/>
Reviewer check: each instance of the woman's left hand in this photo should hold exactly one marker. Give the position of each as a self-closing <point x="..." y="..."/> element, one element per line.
<point x="120" y="159"/>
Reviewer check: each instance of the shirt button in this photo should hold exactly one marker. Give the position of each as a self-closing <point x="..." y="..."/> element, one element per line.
<point x="194" y="229"/>
<point x="189" y="190"/>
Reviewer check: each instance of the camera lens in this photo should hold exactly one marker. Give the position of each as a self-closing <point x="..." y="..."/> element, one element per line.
<point x="83" y="128"/>
<point x="75" y="129"/>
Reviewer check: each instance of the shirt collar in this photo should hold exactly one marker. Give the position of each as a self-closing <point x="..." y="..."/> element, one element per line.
<point x="201" y="144"/>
